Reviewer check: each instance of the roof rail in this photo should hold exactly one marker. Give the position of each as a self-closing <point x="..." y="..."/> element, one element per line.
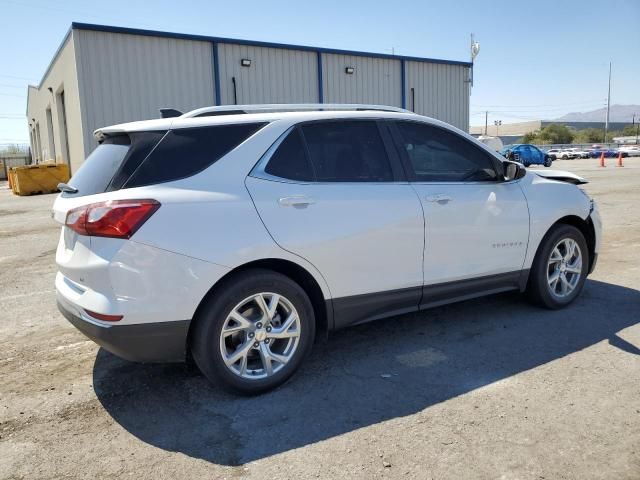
<point x="286" y="107"/>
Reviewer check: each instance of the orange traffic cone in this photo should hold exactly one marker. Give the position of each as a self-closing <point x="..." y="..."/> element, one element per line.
<point x="620" y="159"/>
<point x="602" y="160"/>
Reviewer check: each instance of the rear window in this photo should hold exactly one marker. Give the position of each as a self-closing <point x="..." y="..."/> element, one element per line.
<point x="98" y="169"/>
<point x="187" y="151"/>
<point x="146" y="158"/>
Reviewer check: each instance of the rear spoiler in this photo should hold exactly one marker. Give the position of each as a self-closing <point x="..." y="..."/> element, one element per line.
<point x="169" y="113"/>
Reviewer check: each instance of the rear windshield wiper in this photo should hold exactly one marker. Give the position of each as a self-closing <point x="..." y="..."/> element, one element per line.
<point x="63" y="187"/>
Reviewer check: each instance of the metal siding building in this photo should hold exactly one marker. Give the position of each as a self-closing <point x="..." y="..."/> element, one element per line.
<point x="105" y="75"/>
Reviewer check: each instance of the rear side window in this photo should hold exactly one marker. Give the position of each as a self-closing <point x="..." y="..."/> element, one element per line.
<point x="347" y="151"/>
<point x="290" y="160"/>
<point x="437" y="154"/>
<point x="98" y="169"/>
<point x="142" y="143"/>
<point x="187" y="151"/>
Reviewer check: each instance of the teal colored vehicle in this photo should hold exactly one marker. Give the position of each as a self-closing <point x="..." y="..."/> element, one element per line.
<point x="526" y="154"/>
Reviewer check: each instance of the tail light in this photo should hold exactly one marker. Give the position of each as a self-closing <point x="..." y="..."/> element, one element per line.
<point x="114" y="219"/>
<point x="103" y="317"/>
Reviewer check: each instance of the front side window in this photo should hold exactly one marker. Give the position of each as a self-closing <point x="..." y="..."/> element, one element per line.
<point x="439" y="155"/>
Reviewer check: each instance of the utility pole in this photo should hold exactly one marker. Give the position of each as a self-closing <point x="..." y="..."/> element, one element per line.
<point x="606" y="123"/>
<point x="486" y="121"/>
<point x="637" y="128"/>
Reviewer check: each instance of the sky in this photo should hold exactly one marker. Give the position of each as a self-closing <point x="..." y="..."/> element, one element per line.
<point x="538" y="59"/>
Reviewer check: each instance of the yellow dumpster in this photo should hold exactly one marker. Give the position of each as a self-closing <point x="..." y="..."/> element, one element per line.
<point x="10" y="179"/>
<point x="43" y="178"/>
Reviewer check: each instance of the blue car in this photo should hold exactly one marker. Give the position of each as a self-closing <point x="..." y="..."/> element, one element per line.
<point x="526" y="154"/>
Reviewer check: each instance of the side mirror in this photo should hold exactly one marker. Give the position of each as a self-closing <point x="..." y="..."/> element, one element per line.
<point x="513" y="170"/>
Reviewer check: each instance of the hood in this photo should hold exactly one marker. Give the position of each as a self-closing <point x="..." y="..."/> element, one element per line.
<point x="561" y="176"/>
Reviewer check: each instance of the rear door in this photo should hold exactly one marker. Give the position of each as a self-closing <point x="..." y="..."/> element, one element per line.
<point x="334" y="194"/>
<point x="476" y="224"/>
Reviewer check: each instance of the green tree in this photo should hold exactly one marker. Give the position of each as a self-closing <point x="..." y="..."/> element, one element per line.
<point x="556" y="133"/>
<point x="551" y="134"/>
<point x="629" y="131"/>
<point x="589" y="135"/>
<point x="529" y="137"/>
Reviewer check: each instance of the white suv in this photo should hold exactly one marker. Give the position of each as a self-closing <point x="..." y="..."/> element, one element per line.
<point x="238" y="235"/>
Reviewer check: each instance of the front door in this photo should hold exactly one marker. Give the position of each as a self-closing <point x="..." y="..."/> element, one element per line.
<point x="476" y="224"/>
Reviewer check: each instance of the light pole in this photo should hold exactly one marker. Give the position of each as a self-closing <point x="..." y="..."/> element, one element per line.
<point x="606" y="122"/>
<point x="497" y="123"/>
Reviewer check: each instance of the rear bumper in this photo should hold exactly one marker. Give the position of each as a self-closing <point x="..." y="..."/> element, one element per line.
<point x="146" y="342"/>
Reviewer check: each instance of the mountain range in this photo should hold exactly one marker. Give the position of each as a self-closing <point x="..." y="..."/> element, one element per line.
<point x="617" y="113"/>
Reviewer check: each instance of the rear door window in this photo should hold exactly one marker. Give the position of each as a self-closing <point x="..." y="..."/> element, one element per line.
<point x="347" y="151"/>
<point x="290" y="160"/>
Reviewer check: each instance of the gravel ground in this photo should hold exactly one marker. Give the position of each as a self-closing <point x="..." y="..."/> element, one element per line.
<point x="490" y="388"/>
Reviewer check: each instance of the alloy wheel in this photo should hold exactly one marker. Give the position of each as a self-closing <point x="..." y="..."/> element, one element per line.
<point x="260" y="336"/>
<point x="564" y="268"/>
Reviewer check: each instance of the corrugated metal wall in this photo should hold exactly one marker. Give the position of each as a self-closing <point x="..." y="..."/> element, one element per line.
<point x="440" y="91"/>
<point x="375" y="80"/>
<point x="126" y="77"/>
<point x="275" y="76"/>
<point x="67" y="144"/>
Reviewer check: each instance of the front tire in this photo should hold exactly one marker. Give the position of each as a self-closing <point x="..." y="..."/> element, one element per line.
<point x="560" y="268"/>
<point x="254" y="332"/>
<point x="547" y="162"/>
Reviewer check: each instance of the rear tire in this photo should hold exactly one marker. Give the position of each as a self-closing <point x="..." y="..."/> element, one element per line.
<point x="559" y="268"/>
<point x="247" y="318"/>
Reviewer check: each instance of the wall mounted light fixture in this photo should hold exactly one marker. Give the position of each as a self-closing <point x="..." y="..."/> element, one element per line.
<point x="349" y="70"/>
<point x="245" y="62"/>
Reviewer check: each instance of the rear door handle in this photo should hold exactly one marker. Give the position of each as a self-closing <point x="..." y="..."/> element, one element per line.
<point x="296" y="201"/>
<point x="439" y="198"/>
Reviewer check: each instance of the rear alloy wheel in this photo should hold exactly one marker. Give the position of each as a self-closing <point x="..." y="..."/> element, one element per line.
<point x="260" y="336"/>
<point x="560" y="268"/>
<point x="254" y="332"/>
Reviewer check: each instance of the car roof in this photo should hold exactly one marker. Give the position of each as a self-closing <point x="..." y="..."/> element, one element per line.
<point x="296" y="116"/>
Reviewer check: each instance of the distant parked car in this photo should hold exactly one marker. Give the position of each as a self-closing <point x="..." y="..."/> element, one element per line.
<point x="596" y="151"/>
<point x="630" y="150"/>
<point x="579" y="152"/>
<point x="563" y="154"/>
<point x="527" y="155"/>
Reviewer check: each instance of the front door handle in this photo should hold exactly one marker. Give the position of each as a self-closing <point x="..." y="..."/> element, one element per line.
<point x="439" y="198"/>
<point x="296" y="201"/>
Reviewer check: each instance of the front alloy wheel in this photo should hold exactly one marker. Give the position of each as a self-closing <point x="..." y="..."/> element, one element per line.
<point x="564" y="268"/>
<point x="559" y="268"/>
